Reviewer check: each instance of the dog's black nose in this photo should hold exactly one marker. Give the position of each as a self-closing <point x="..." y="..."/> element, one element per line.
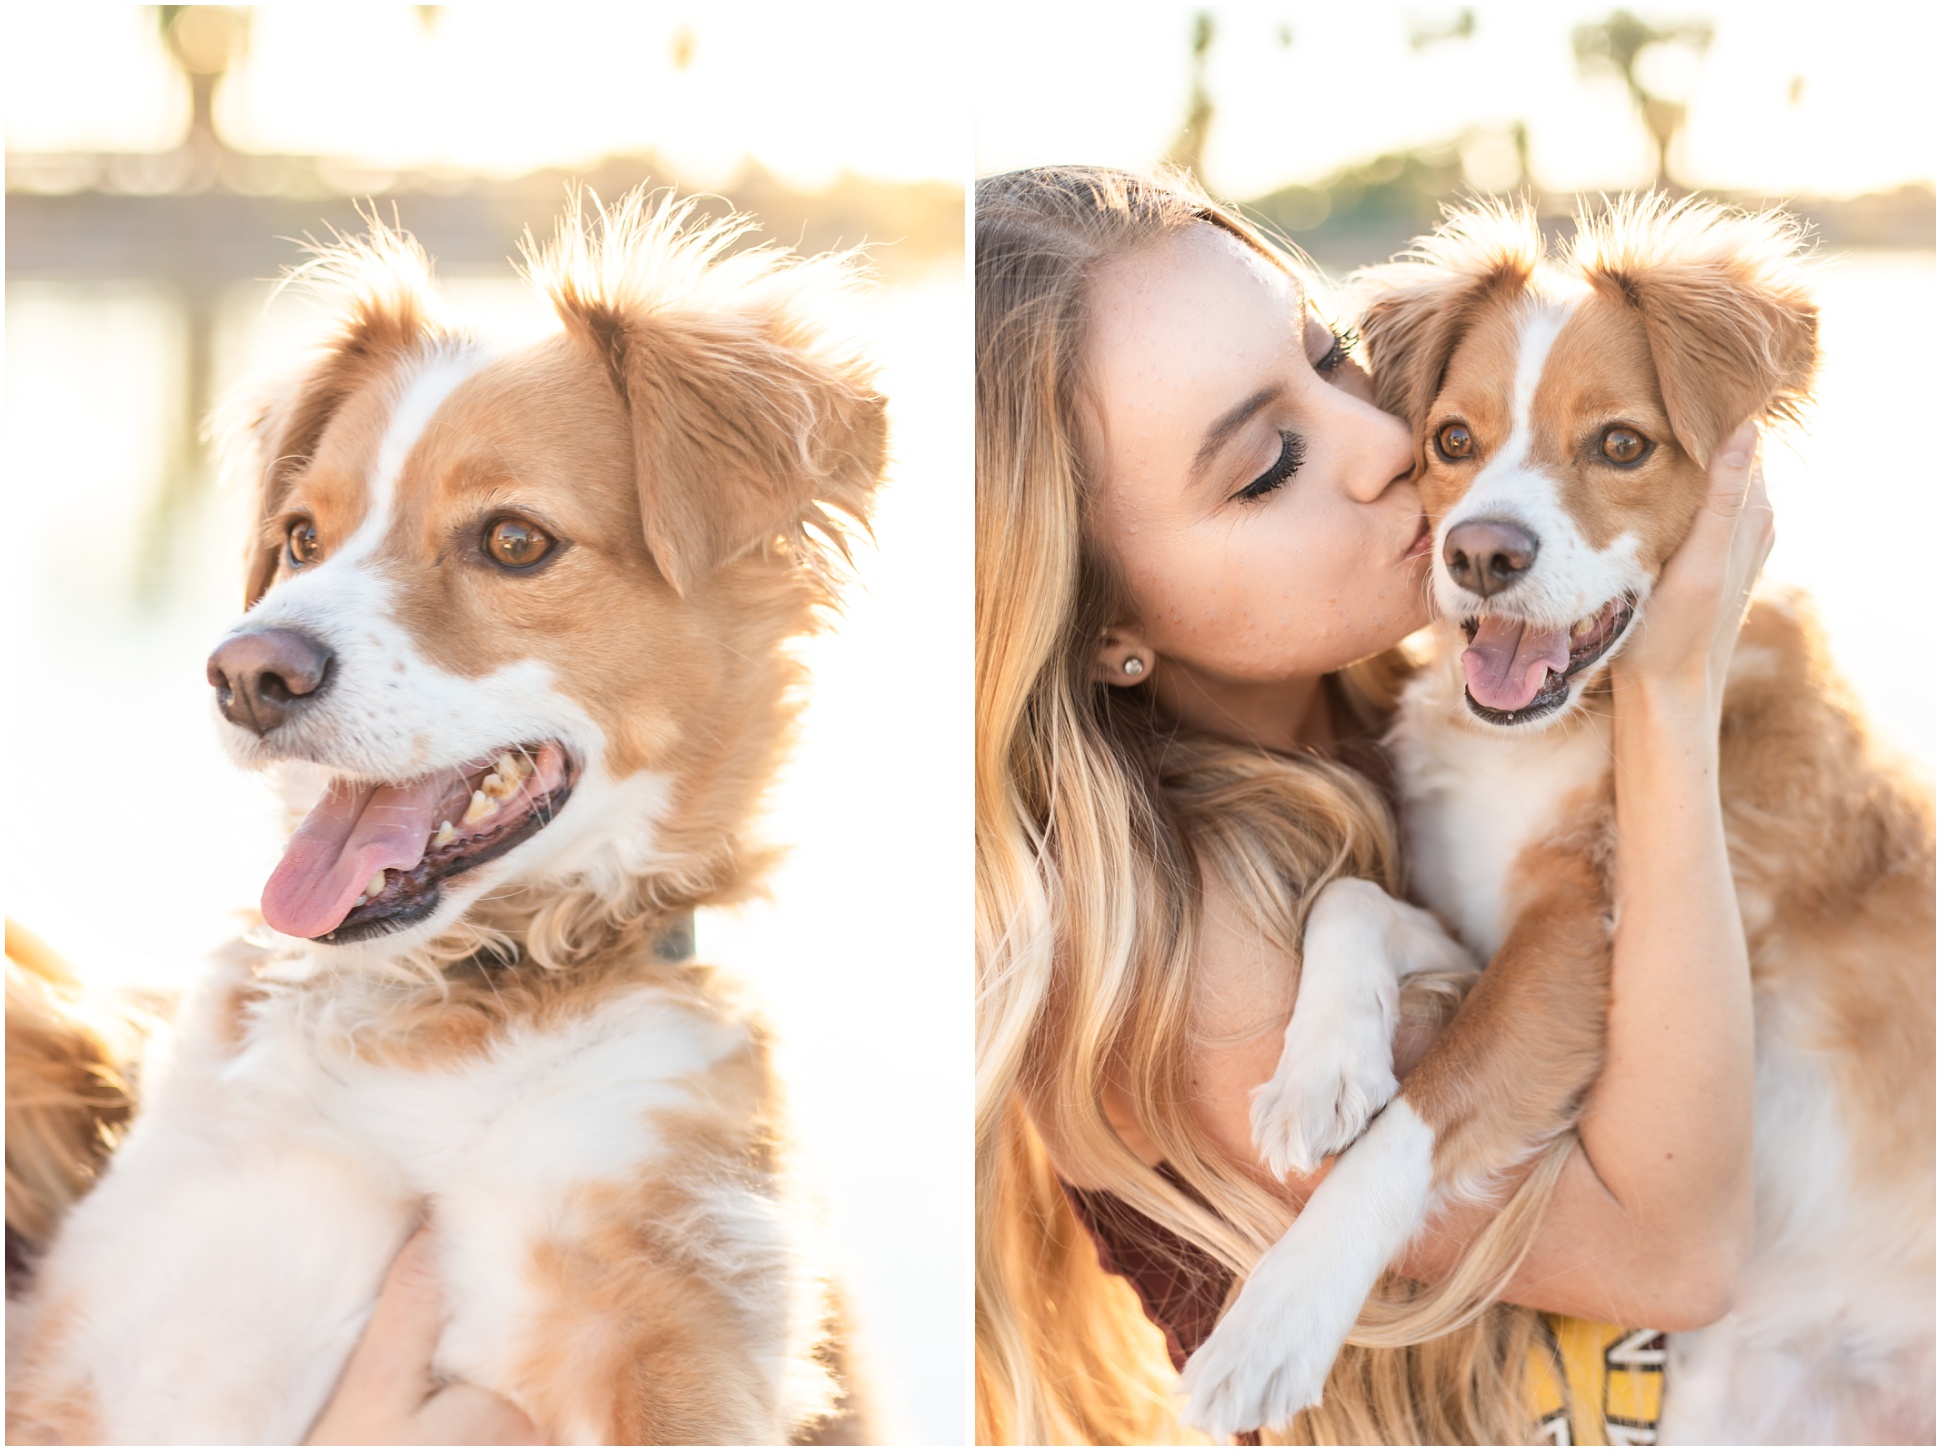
<point x="1487" y="556"/>
<point x="264" y="676"/>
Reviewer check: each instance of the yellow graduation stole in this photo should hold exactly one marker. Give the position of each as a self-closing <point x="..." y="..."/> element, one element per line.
<point x="1596" y="1385"/>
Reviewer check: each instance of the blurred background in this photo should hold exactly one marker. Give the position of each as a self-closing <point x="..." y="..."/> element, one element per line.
<point x="162" y="165"/>
<point x="1348" y="127"/>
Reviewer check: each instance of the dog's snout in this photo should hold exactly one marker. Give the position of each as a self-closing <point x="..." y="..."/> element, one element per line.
<point x="1487" y="556"/>
<point x="263" y="676"/>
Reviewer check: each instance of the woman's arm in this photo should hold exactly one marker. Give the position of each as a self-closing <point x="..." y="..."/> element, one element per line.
<point x="1668" y="1125"/>
<point x="1653" y="1211"/>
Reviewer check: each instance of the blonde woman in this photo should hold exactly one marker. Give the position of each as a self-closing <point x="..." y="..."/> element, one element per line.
<point x="1198" y="549"/>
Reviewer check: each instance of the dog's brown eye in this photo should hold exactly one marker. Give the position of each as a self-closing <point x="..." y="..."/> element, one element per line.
<point x="303" y="542"/>
<point x="1623" y="445"/>
<point x="516" y="544"/>
<point x="1453" y="441"/>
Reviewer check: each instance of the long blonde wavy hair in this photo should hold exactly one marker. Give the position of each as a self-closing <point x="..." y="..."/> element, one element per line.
<point x="1094" y="833"/>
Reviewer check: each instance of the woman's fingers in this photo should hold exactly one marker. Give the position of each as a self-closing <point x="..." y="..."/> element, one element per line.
<point x="1738" y="483"/>
<point x="392" y="1363"/>
<point x="388" y="1396"/>
<point x="1731" y="466"/>
<point x="1692" y="620"/>
<point x="388" y="1375"/>
<point x="1756" y="525"/>
<point x="461" y="1415"/>
<point x="1716" y="529"/>
<point x="1738" y="495"/>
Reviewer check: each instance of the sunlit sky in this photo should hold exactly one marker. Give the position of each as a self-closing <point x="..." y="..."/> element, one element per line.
<point x="1056" y="83"/>
<point x="1829" y="98"/>
<point x="808" y="90"/>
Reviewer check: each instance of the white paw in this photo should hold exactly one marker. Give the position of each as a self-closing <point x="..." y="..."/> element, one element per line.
<point x="1326" y="1089"/>
<point x="1270" y="1355"/>
<point x="1261" y="1366"/>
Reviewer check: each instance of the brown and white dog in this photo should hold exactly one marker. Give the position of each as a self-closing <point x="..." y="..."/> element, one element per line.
<point x="1566" y="412"/>
<point x="518" y="629"/>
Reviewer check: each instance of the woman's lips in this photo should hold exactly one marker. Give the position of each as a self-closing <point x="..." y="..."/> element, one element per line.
<point x="1424" y="539"/>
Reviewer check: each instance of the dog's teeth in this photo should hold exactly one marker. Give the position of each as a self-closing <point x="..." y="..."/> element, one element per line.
<point x="513" y="768"/>
<point x="445" y="835"/>
<point x="482" y="806"/>
<point x="376" y="885"/>
<point x="1583" y="627"/>
<point x="361" y="900"/>
<point x="497" y="787"/>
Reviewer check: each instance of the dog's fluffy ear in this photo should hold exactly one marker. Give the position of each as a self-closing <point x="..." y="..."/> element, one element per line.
<point x="752" y="422"/>
<point x="380" y="286"/>
<point x="740" y="436"/>
<point x="1726" y="307"/>
<point x="1417" y="309"/>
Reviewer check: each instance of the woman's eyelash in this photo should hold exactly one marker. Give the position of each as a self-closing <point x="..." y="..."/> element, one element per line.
<point x="1293" y="451"/>
<point x="1345" y="339"/>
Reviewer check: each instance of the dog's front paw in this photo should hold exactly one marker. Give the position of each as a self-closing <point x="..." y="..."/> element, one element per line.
<point x="1254" y="1371"/>
<point x="1322" y="1095"/>
<point x="1270" y="1355"/>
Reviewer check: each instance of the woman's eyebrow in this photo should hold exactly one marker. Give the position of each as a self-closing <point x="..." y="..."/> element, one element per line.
<point x="1230" y="423"/>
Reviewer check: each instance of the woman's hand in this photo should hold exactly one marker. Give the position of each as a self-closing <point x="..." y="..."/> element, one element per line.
<point x="387" y="1396"/>
<point x="1692" y="620"/>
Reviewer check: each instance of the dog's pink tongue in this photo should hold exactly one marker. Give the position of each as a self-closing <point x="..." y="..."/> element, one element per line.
<point x="1505" y="663"/>
<point x="351" y="835"/>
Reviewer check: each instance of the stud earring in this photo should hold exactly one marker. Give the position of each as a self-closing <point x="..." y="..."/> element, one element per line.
<point x="1134" y="665"/>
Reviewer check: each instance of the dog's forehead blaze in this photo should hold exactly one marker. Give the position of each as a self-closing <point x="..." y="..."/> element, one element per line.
<point x="336" y="487"/>
<point x="1600" y="371"/>
<point x="1477" y="387"/>
<point x="541" y="434"/>
<point x="538" y="431"/>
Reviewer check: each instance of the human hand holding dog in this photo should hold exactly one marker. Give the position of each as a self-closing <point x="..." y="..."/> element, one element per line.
<point x="1668" y="1125"/>
<point x="1685" y="641"/>
<point x="388" y="1397"/>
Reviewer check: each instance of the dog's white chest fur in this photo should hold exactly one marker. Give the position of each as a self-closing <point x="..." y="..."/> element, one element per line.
<point x="225" y="1265"/>
<point x="1477" y="799"/>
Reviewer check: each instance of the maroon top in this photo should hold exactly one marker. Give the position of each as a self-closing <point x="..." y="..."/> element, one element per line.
<point x="1180" y="1286"/>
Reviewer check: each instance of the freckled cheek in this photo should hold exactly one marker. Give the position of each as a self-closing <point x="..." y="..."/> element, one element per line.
<point x="1258" y="599"/>
<point x="1180" y="582"/>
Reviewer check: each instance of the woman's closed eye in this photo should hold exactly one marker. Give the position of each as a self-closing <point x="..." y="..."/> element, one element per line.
<point x="1341" y="344"/>
<point x="1284" y="467"/>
